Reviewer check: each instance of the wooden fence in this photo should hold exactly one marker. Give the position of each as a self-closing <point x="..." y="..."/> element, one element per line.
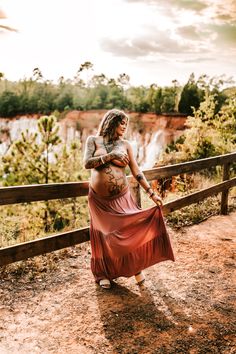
<point x="31" y="193"/>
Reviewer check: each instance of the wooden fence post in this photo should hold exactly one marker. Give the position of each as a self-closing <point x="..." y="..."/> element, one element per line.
<point x="225" y="193"/>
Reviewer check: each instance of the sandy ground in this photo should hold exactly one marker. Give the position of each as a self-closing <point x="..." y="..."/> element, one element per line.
<point x="188" y="306"/>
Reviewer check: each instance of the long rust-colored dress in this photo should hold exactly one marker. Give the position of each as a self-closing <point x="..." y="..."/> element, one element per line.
<point x="124" y="238"/>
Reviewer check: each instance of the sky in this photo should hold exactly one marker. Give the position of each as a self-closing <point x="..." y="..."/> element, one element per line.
<point x="153" y="41"/>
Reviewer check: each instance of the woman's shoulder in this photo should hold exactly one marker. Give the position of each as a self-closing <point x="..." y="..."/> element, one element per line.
<point x="93" y="138"/>
<point x="126" y="143"/>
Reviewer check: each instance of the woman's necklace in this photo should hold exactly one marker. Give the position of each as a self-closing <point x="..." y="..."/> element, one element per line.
<point x="109" y="146"/>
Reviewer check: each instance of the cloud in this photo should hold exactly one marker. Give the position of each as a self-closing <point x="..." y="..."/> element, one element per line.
<point x="220" y="35"/>
<point x="218" y="29"/>
<point x="193" y="38"/>
<point x="121" y="47"/>
<point x="224" y="17"/>
<point x="226" y="34"/>
<point x="192" y="5"/>
<point x="195" y="60"/>
<point x="190" y="32"/>
<point x="156" y="42"/>
<point x="225" y="11"/>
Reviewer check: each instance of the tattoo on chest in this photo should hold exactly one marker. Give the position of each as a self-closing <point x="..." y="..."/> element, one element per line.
<point x="109" y="146"/>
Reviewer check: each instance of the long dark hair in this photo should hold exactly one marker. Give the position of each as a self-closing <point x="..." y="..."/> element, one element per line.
<point x="110" y="122"/>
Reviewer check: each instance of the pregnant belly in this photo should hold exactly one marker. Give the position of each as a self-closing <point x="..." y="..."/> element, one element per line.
<point x="108" y="181"/>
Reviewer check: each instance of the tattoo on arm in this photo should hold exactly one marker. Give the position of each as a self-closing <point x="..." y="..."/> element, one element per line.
<point x="143" y="182"/>
<point x="89" y="160"/>
<point x="139" y="177"/>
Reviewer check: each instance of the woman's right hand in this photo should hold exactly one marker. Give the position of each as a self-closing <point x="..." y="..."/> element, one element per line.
<point x="121" y="156"/>
<point x="157" y="200"/>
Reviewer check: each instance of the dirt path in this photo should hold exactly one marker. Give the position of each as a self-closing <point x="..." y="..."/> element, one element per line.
<point x="185" y="307"/>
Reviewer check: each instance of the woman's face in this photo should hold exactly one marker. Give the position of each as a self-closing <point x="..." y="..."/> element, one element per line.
<point x="120" y="130"/>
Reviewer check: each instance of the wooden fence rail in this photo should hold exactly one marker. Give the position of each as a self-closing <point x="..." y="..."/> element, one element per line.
<point x="32" y="193"/>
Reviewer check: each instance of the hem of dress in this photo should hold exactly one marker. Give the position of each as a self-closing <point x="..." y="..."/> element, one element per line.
<point x="156" y="243"/>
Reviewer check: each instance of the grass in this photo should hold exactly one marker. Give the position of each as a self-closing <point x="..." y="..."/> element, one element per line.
<point x="24" y="222"/>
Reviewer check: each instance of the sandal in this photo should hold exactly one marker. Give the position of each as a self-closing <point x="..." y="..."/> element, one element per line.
<point x="105" y="283"/>
<point x="140" y="278"/>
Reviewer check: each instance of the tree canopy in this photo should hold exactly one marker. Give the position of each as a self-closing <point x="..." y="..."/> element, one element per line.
<point x="37" y="95"/>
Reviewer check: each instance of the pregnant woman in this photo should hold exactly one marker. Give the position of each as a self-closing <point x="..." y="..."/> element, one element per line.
<point x="124" y="238"/>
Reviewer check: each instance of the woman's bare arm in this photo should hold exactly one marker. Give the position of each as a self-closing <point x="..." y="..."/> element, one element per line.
<point x="91" y="161"/>
<point x="139" y="176"/>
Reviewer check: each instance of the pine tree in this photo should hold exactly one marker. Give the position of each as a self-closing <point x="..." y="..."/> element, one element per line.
<point x="41" y="158"/>
<point x="191" y="97"/>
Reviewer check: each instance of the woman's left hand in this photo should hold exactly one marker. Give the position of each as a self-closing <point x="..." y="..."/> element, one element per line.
<point x="157" y="200"/>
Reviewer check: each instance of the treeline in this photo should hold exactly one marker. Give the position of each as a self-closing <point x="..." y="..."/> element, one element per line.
<point x="38" y="95"/>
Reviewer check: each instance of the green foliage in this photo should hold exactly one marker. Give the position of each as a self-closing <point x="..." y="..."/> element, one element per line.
<point x="195" y="213"/>
<point x="64" y="102"/>
<point x="44" y="96"/>
<point x="9" y="104"/>
<point x="211" y="134"/>
<point x="154" y="99"/>
<point x="42" y="158"/>
<point x="116" y="98"/>
<point x="138" y="97"/>
<point x="169" y="95"/>
<point x="37" y="95"/>
<point x="191" y="97"/>
<point x="173" y="146"/>
<point x="27" y="160"/>
<point x="158" y="101"/>
<point x="87" y="91"/>
<point x="208" y="133"/>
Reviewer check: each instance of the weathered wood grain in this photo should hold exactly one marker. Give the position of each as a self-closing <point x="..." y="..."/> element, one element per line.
<point x="38" y="192"/>
<point x="225" y="193"/>
<point x="43" y="245"/>
<point x="190" y="166"/>
<point x="198" y="196"/>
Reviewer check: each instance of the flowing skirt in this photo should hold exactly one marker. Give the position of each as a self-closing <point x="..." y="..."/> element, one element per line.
<point x="124" y="238"/>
